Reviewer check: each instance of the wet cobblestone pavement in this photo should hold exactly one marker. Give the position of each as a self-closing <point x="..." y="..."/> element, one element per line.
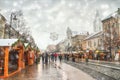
<point x="93" y="70"/>
<point x="37" y="72"/>
<point x="51" y="71"/>
<point x="108" y="63"/>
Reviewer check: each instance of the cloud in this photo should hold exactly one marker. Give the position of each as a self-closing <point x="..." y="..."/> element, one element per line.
<point x="46" y="16"/>
<point x="104" y="6"/>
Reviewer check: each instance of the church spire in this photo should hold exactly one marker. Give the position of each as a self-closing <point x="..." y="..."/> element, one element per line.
<point x="97" y="22"/>
<point x="69" y="33"/>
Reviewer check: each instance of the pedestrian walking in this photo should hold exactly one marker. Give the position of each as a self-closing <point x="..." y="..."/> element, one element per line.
<point x="46" y="58"/>
<point x="52" y="57"/>
<point x="73" y="58"/>
<point x="55" y="56"/>
<point x="43" y="58"/>
<point x="86" y="58"/>
<point x="60" y="57"/>
<point x="105" y="57"/>
<point x="67" y="56"/>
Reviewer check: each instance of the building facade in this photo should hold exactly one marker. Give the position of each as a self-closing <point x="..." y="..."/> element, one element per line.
<point x="111" y="29"/>
<point x="7" y="31"/>
<point x="77" y="42"/>
<point x="94" y="41"/>
<point x="63" y="46"/>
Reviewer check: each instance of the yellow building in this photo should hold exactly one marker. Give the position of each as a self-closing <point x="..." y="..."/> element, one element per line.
<point x="77" y="42"/>
<point x="94" y="41"/>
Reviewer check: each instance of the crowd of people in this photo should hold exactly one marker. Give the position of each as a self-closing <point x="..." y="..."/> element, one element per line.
<point x="47" y="57"/>
<point x="74" y="57"/>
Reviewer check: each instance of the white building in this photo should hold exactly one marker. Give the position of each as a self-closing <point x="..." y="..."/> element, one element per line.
<point x="97" y="24"/>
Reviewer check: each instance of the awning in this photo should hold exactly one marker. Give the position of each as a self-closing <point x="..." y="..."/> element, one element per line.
<point x="101" y="51"/>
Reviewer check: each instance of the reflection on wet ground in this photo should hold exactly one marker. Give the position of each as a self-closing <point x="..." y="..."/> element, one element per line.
<point x="50" y="71"/>
<point x="38" y="72"/>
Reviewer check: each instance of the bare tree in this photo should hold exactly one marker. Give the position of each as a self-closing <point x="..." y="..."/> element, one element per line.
<point x="19" y="24"/>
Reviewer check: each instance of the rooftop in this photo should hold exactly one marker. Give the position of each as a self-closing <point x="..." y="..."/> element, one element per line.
<point x="112" y="15"/>
<point x="94" y="35"/>
<point x="7" y="42"/>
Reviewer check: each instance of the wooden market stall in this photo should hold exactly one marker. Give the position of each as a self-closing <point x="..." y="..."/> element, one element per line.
<point x="29" y="55"/>
<point x="26" y="53"/>
<point x="20" y="45"/>
<point x="10" y="57"/>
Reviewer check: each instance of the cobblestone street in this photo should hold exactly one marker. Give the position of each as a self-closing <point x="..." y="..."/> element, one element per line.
<point x="51" y="71"/>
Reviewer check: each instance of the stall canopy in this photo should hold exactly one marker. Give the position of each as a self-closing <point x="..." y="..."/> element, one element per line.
<point x="7" y="42"/>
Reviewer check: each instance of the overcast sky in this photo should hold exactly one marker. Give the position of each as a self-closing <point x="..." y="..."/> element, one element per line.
<point x="46" y="16"/>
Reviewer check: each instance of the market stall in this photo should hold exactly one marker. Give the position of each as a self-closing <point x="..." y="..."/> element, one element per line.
<point x="29" y="55"/>
<point x="26" y="53"/>
<point x="10" y="57"/>
<point x="20" y="45"/>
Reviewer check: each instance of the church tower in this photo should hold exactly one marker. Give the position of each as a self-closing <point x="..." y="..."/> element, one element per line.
<point x="69" y="33"/>
<point x="97" y="24"/>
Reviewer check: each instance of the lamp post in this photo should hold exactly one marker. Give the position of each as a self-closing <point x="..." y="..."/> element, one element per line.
<point x="12" y="17"/>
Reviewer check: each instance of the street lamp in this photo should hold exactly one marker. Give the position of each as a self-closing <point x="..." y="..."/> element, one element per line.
<point x="12" y="17"/>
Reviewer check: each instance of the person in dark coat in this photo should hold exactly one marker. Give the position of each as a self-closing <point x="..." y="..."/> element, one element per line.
<point x="43" y="58"/>
<point x="60" y="57"/>
<point x="67" y="56"/>
<point x="46" y="58"/>
<point x="55" y="56"/>
<point x="52" y="57"/>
